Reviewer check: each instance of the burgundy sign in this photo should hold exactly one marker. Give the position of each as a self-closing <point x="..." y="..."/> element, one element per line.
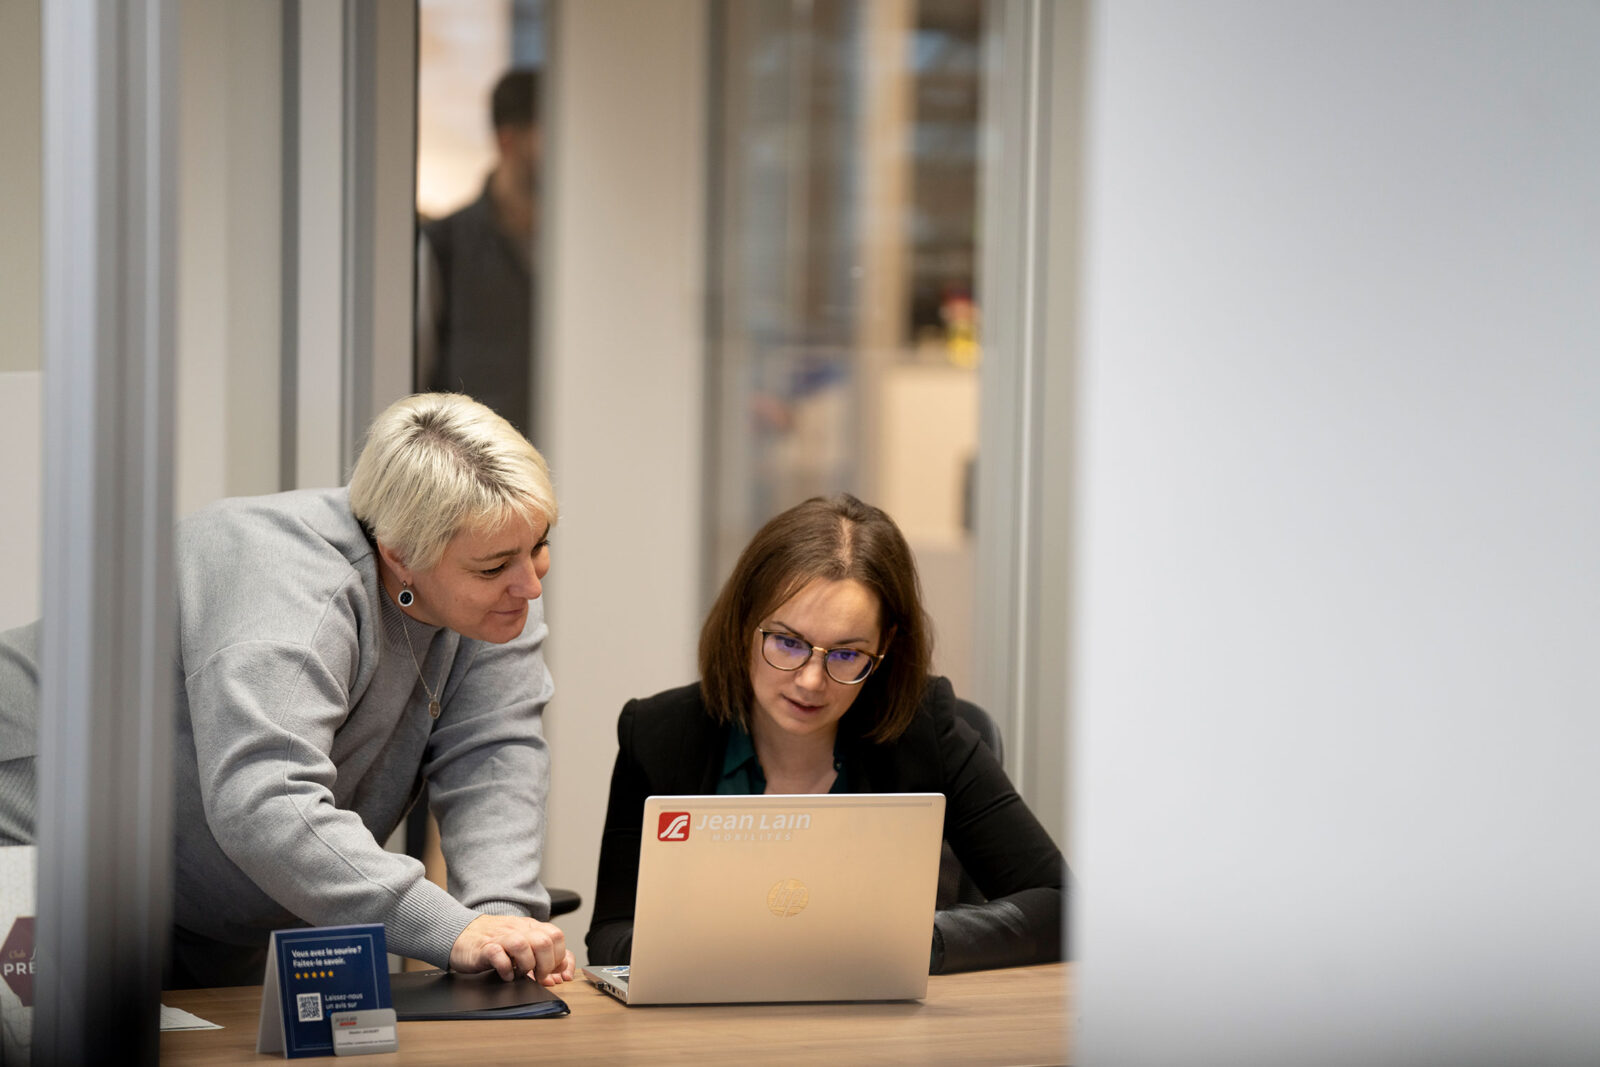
<point x="16" y="960"/>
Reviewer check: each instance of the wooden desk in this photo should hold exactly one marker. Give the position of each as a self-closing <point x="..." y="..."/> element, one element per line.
<point x="1023" y="1015"/>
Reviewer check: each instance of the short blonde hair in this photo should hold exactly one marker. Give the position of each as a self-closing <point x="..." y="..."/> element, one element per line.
<point x="435" y="464"/>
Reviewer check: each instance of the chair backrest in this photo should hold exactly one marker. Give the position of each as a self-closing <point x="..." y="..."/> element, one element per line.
<point x="955" y="886"/>
<point x="980" y="722"/>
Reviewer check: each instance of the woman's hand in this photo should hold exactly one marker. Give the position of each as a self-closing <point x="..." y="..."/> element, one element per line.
<point x="511" y="945"/>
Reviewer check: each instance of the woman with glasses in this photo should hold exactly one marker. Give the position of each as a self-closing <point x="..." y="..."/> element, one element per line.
<point x="814" y="668"/>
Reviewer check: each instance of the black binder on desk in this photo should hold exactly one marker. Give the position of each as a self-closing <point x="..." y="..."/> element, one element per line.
<point x="446" y="995"/>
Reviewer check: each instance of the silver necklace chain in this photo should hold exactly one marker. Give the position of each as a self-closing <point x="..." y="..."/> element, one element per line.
<point x="433" y="698"/>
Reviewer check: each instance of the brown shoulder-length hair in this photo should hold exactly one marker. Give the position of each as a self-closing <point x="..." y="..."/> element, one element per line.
<point x="833" y="538"/>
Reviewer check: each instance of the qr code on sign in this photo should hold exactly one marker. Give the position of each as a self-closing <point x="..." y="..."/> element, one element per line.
<point x="310" y="1005"/>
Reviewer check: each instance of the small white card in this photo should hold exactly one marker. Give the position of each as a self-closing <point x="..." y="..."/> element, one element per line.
<point x="358" y="1033"/>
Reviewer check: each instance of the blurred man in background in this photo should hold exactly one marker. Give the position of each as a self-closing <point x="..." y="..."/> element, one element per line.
<point x="476" y="304"/>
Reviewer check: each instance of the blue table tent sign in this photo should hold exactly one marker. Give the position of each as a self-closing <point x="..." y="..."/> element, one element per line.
<point x="314" y="972"/>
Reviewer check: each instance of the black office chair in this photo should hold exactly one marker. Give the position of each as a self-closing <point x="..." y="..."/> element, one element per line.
<point x="955" y="885"/>
<point x="563" y="901"/>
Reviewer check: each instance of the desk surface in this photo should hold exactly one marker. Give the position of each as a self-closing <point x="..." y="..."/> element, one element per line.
<point x="1024" y="1015"/>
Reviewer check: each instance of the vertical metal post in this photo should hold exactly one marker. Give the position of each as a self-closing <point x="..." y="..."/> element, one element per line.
<point x="360" y="107"/>
<point x="1032" y="209"/>
<point x="314" y="229"/>
<point x="289" y="261"/>
<point x="349" y="226"/>
<point x="107" y="643"/>
<point x="1013" y="206"/>
<point x="379" y="213"/>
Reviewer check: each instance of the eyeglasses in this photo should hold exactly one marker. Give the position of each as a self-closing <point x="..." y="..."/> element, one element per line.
<point x="847" y="666"/>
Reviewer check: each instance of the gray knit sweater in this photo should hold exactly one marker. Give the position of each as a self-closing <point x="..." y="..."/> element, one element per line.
<point x="302" y="734"/>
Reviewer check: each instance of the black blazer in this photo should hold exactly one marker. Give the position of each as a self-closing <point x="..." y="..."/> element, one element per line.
<point x="669" y="745"/>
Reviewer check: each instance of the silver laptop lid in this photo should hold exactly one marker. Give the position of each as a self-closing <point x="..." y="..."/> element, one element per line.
<point x="780" y="898"/>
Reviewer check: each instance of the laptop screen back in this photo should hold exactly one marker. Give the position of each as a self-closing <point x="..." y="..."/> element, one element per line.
<point x="780" y="898"/>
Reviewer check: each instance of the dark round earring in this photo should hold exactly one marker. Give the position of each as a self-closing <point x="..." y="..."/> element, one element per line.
<point x="406" y="597"/>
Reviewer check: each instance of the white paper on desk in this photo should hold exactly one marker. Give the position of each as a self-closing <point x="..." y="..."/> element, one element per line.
<point x="178" y="1019"/>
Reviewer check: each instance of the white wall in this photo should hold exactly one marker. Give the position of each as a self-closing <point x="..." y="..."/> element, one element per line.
<point x="21" y="438"/>
<point x="623" y="330"/>
<point x="229" y="174"/>
<point x="21" y="353"/>
<point x="20" y="176"/>
<point x="1338" y="603"/>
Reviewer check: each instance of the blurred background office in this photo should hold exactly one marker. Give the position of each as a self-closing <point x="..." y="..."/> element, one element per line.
<point x="1230" y="366"/>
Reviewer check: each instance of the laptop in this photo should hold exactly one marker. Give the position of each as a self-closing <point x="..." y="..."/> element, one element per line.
<point x="782" y="898"/>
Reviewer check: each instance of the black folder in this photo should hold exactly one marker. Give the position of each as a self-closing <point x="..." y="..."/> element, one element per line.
<point x="446" y="995"/>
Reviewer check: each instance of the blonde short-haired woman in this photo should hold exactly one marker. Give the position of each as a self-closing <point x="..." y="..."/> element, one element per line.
<point x="337" y="650"/>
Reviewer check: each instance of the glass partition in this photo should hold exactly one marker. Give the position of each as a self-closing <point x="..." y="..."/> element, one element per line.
<point x="844" y="335"/>
<point x="21" y="443"/>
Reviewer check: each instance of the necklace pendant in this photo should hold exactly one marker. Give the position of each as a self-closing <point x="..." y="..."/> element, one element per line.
<point x="433" y="709"/>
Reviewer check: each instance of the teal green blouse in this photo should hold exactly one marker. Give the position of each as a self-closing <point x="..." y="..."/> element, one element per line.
<point x="742" y="773"/>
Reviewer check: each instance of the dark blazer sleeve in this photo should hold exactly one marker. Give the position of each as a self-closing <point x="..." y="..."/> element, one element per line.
<point x="999" y="842"/>
<point x="610" y="937"/>
<point x="666" y="745"/>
